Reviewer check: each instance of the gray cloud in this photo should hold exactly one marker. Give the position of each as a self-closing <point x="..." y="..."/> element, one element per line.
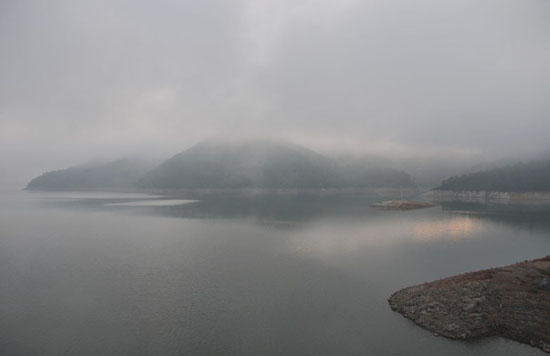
<point x="83" y="80"/>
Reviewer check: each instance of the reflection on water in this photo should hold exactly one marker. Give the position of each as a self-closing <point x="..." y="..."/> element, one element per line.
<point x="521" y="216"/>
<point x="264" y="209"/>
<point x="457" y="226"/>
<point x="272" y="208"/>
<point x="154" y="202"/>
<point x="112" y="275"/>
<point x="88" y="195"/>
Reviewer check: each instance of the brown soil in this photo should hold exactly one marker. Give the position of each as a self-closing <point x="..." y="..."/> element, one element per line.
<point x="511" y="301"/>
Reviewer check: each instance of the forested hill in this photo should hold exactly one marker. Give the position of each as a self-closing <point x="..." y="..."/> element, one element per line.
<point x="115" y="175"/>
<point x="227" y="164"/>
<point x="263" y="164"/>
<point x="242" y="164"/>
<point x="533" y="176"/>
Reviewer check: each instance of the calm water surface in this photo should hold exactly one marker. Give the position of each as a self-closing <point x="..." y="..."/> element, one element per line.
<point x="114" y="274"/>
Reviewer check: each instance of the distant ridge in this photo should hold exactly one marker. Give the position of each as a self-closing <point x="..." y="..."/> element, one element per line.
<point x="227" y="164"/>
<point x="533" y="176"/>
<point x="242" y="164"/>
<point x="261" y="164"/>
<point x="115" y="175"/>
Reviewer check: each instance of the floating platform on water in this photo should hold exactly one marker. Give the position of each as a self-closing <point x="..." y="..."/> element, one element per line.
<point x="401" y="205"/>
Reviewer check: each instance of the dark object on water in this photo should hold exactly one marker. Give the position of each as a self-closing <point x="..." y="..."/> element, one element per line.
<point x="401" y="205"/>
<point x="511" y="301"/>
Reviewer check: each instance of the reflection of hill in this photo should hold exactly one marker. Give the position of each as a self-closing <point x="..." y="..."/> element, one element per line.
<point x="271" y="208"/>
<point x="265" y="208"/>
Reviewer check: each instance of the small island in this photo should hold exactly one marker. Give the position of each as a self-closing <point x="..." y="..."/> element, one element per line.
<point x="511" y="302"/>
<point x="402" y="205"/>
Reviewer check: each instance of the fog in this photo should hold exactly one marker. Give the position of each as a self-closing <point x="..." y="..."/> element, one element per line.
<point x="86" y="80"/>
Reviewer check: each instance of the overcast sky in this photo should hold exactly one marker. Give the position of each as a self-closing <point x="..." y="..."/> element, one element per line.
<point x="81" y="80"/>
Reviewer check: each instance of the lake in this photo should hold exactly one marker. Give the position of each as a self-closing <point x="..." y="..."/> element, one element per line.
<point x="131" y="274"/>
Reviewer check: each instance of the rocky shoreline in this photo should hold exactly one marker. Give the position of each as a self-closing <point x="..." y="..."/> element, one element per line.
<point x="401" y="205"/>
<point x="511" y="301"/>
<point x="483" y="196"/>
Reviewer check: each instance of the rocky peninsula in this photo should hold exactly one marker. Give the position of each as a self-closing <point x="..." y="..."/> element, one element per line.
<point x="484" y="196"/>
<point x="511" y="302"/>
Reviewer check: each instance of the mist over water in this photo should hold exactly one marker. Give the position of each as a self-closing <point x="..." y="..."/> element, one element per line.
<point x="339" y="99"/>
<point x="109" y="274"/>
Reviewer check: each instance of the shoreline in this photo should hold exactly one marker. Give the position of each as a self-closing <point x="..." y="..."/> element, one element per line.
<point x="511" y="302"/>
<point x="251" y="192"/>
<point x="483" y="196"/>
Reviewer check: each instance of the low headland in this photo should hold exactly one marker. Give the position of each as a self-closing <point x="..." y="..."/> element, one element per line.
<point x="522" y="183"/>
<point x="511" y="302"/>
<point x="486" y="196"/>
<point x="402" y="205"/>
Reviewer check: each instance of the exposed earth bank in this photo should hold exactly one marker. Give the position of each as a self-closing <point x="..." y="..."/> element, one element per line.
<point x="483" y="196"/>
<point x="511" y="301"/>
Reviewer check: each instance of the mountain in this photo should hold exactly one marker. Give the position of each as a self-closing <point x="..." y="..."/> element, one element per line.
<point x="227" y="164"/>
<point x="262" y="164"/>
<point x="533" y="176"/>
<point x="242" y="164"/>
<point x="368" y="172"/>
<point x="114" y="175"/>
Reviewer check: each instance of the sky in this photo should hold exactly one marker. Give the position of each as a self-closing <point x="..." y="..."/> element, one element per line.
<point x="104" y="79"/>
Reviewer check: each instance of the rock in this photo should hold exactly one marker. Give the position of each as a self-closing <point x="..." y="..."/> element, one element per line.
<point x="543" y="284"/>
<point x="498" y="301"/>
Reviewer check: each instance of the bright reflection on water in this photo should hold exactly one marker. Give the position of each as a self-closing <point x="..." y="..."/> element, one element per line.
<point x="105" y="274"/>
<point x="456" y="226"/>
<point x="154" y="202"/>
